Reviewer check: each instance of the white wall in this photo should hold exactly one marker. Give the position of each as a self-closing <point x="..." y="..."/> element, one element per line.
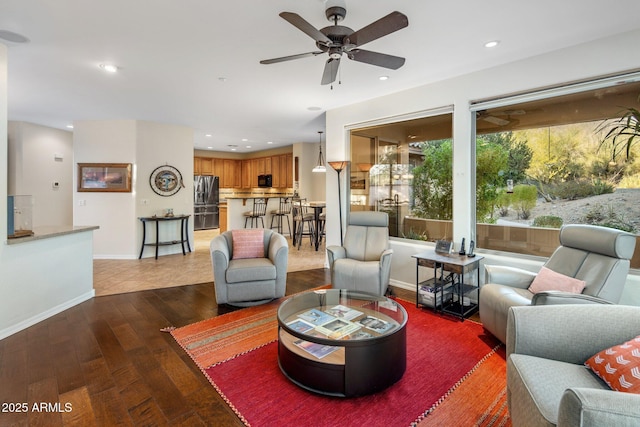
<point x="42" y="277"/>
<point x="312" y="185"/>
<point x="589" y="60"/>
<point x="146" y="146"/>
<point x="39" y="156"/>
<point x="158" y="145"/>
<point x="106" y="142"/>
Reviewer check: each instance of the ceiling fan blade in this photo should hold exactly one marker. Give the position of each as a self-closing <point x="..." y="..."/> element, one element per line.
<point x="330" y="71"/>
<point x="291" y="57"/>
<point x="300" y="23"/>
<point x="375" y="58"/>
<point x="392" y="22"/>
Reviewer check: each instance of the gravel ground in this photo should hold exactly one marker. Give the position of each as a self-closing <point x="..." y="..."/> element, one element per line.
<point x="625" y="202"/>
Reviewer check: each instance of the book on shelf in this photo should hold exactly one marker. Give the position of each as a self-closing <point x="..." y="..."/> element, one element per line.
<point x="316" y="317"/>
<point x="317" y="350"/>
<point x="343" y="312"/>
<point x="376" y="324"/>
<point x="338" y="328"/>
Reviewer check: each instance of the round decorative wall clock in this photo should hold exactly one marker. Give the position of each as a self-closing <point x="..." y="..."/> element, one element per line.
<point x="166" y="180"/>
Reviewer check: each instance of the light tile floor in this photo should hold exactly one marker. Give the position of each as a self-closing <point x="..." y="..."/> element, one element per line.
<point x="119" y="276"/>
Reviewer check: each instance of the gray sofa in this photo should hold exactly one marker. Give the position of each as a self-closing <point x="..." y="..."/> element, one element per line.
<point x="547" y="382"/>
<point x="598" y="255"/>
<point x="363" y="263"/>
<point x="251" y="281"/>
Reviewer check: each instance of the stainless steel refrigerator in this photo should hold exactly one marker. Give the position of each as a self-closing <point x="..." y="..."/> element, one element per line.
<point x="206" y="202"/>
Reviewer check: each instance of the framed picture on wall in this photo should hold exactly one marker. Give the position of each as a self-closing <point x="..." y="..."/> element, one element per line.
<point x="358" y="183"/>
<point x="104" y="177"/>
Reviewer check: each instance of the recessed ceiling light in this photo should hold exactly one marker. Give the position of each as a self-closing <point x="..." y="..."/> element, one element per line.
<point x="492" y="43"/>
<point x="383" y="78"/>
<point x="269" y="142"/>
<point x="10" y="36"/>
<point x="69" y="126"/>
<point x="244" y="139"/>
<point x="233" y="149"/>
<point x="109" y="68"/>
<point x="210" y="148"/>
<point x="208" y="135"/>
<point x="248" y="146"/>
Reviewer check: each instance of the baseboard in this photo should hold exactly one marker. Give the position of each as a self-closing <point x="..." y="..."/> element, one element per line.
<point x="403" y="285"/>
<point x="46" y="314"/>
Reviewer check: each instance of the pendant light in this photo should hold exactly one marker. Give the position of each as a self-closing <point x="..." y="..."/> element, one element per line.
<point x="320" y="167"/>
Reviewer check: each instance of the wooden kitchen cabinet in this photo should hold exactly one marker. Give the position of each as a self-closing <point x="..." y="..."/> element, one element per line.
<point x="245" y="170"/>
<point x="275" y="175"/>
<point x="206" y="166"/>
<point x="228" y="171"/>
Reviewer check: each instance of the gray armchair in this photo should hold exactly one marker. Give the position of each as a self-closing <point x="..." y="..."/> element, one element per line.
<point x="598" y="255"/>
<point x="363" y="263"/>
<point x="249" y="281"/>
<point x="547" y="382"/>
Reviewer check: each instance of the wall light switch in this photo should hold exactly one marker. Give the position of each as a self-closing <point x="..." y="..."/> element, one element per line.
<point x="55" y="184"/>
<point x="58" y="157"/>
<point x="82" y="202"/>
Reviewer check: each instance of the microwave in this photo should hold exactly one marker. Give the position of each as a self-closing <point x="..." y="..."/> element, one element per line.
<point x="264" y="180"/>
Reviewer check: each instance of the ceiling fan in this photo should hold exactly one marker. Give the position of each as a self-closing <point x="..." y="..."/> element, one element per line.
<point x="337" y="40"/>
<point x="492" y="117"/>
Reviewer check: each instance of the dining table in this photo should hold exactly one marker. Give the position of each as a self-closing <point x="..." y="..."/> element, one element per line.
<point x="317" y="206"/>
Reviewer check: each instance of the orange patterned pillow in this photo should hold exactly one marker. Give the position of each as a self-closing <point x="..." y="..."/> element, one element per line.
<point x="619" y="366"/>
<point x="248" y="243"/>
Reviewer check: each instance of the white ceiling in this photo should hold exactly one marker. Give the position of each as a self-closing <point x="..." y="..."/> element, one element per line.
<point x="172" y="55"/>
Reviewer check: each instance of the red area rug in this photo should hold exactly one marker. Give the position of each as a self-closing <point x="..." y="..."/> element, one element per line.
<point x="238" y="354"/>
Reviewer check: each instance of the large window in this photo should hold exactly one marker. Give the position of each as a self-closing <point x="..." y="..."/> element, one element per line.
<point x="405" y="169"/>
<point x="554" y="162"/>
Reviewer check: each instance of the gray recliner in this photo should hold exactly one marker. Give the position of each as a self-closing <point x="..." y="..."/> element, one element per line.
<point x="547" y="381"/>
<point x="363" y="263"/>
<point x="598" y="255"/>
<point x="250" y="281"/>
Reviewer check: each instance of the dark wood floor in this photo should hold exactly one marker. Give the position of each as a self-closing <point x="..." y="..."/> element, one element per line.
<point x="105" y="362"/>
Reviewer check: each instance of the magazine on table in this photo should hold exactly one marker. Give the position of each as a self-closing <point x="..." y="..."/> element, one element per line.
<point x="316" y="317"/>
<point x="375" y="324"/>
<point x="344" y="312"/>
<point x="338" y="328"/>
<point x="317" y="350"/>
<point x="300" y="325"/>
<point x="359" y="335"/>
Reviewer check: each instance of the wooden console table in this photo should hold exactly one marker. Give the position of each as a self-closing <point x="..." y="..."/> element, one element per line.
<point x="184" y="234"/>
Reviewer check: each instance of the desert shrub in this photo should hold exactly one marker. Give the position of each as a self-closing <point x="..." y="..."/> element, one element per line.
<point x="524" y="199"/>
<point x="606" y="216"/>
<point x="547" y="221"/>
<point x="601" y="187"/>
<point x="415" y="235"/>
<point x="503" y="202"/>
<point x="630" y="181"/>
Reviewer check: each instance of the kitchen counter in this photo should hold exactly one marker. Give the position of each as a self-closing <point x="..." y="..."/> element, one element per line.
<point x="48" y="232"/>
<point x="237" y="206"/>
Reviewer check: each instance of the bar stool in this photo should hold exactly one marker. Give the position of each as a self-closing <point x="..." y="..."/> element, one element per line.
<point x="283" y="211"/>
<point x="300" y="218"/>
<point x="258" y="212"/>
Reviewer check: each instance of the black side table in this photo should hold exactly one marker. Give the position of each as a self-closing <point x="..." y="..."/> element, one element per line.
<point x="184" y="227"/>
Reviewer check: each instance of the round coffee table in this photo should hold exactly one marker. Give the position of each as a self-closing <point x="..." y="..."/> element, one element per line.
<point x="340" y="342"/>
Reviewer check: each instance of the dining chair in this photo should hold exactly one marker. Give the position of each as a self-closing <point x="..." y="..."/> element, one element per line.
<point x="301" y="216"/>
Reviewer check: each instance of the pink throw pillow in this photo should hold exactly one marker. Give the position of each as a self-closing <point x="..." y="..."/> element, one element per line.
<point x="549" y="280"/>
<point x="248" y="243"/>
